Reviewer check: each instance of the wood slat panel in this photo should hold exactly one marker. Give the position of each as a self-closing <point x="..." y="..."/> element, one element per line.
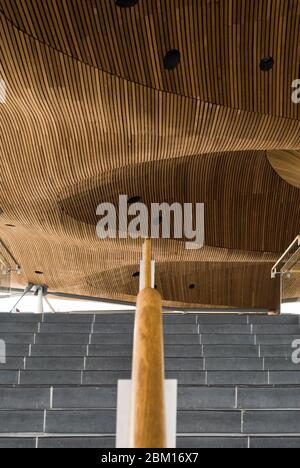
<point x="91" y="113"/>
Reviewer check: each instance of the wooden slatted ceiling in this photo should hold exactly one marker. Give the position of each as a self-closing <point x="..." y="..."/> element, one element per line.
<point x="221" y="44"/>
<point x="91" y="113"/>
<point x="287" y="165"/>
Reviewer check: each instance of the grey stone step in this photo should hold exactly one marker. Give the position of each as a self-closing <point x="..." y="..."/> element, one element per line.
<point x="127" y="338"/>
<point x="59" y="350"/>
<point x="8" y="377"/>
<point x="109" y="442"/>
<point x="112" y="339"/>
<point x="20" y="318"/>
<point x="271" y="422"/>
<point x="195" y="398"/>
<point x="222" y="319"/>
<point x="237" y="378"/>
<point x="104" y="377"/>
<point x="273" y="329"/>
<point x="281" y="364"/>
<point x="129" y="319"/>
<point x="17" y="350"/>
<point x="103" y="422"/>
<point x="236" y="364"/>
<point x="280" y="320"/>
<point x="276" y="351"/>
<point x="125" y="328"/>
<point x="111" y="378"/>
<point x="81" y="422"/>
<point x="209" y="422"/>
<point x="274" y="442"/>
<point x="226" y="339"/>
<point x="62" y="339"/>
<point x="277" y="340"/>
<point x="76" y="442"/>
<point x="126" y="350"/>
<point x="19" y="327"/>
<point x="230" y="351"/>
<point x="85" y="397"/>
<point x="212" y="442"/>
<point x="12" y="363"/>
<point x="68" y="318"/>
<point x="65" y="328"/>
<point x="54" y="363"/>
<point x="21" y="398"/>
<point x="106" y="397"/>
<point x="123" y="363"/>
<point x="179" y="319"/>
<point x="115" y="318"/>
<point x="21" y="421"/>
<point x="268" y="398"/>
<point x="284" y="377"/>
<point x="18" y="442"/>
<point x="228" y="329"/>
<point x="17" y="338"/>
<point x="49" y="377"/>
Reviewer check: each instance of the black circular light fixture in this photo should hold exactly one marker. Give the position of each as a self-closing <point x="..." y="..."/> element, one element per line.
<point x="266" y="64"/>
<point x="136" y="274"/>
<point x="172" y="59"/>
<point x="133" y="200"/>
<point x="126" y="3"/>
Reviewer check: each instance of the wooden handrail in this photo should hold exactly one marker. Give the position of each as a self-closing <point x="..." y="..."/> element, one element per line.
<point x="148" y="421"/>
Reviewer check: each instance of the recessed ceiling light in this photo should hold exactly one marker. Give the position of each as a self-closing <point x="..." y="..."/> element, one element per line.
<point x="10" y="225"/>
<point x="172" y="59"/>
<point x="192" y="286"/>
<point x="126" y="3"/>
<point x="266" y="64"/>
<point x="133" y="200"/>
<point x="136" y="274"/>
<point x="39" y="272"/>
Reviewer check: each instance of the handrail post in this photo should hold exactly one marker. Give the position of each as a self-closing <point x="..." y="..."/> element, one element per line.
<point x="148" y="421"/>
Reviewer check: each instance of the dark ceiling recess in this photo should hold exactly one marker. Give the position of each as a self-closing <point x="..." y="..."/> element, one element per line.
<point x="126" y="3"/>
<point x="133" y="200"/>
<point x="1" y="211"/>
<point x="136" y="274"/>
<point x="39" y="272"/>
<point x="266" y="64"/>
<point x="192" y="286"/>
<point x="10" y="225"/>
<point x="172" y="59"/>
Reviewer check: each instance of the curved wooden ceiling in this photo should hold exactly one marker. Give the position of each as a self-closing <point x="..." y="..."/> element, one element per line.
<point x="287" y="165"/>
<point x="91" y="113"/>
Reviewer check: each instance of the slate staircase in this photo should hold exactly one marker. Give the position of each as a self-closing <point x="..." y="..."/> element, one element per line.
<point x="238" y="386"/>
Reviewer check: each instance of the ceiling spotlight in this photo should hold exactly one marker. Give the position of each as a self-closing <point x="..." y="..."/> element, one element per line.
<point x="133" y="200"/>
<point x="172" y="59"/>
<point x="126" y="3"/>
<point x="266" y="64"/>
